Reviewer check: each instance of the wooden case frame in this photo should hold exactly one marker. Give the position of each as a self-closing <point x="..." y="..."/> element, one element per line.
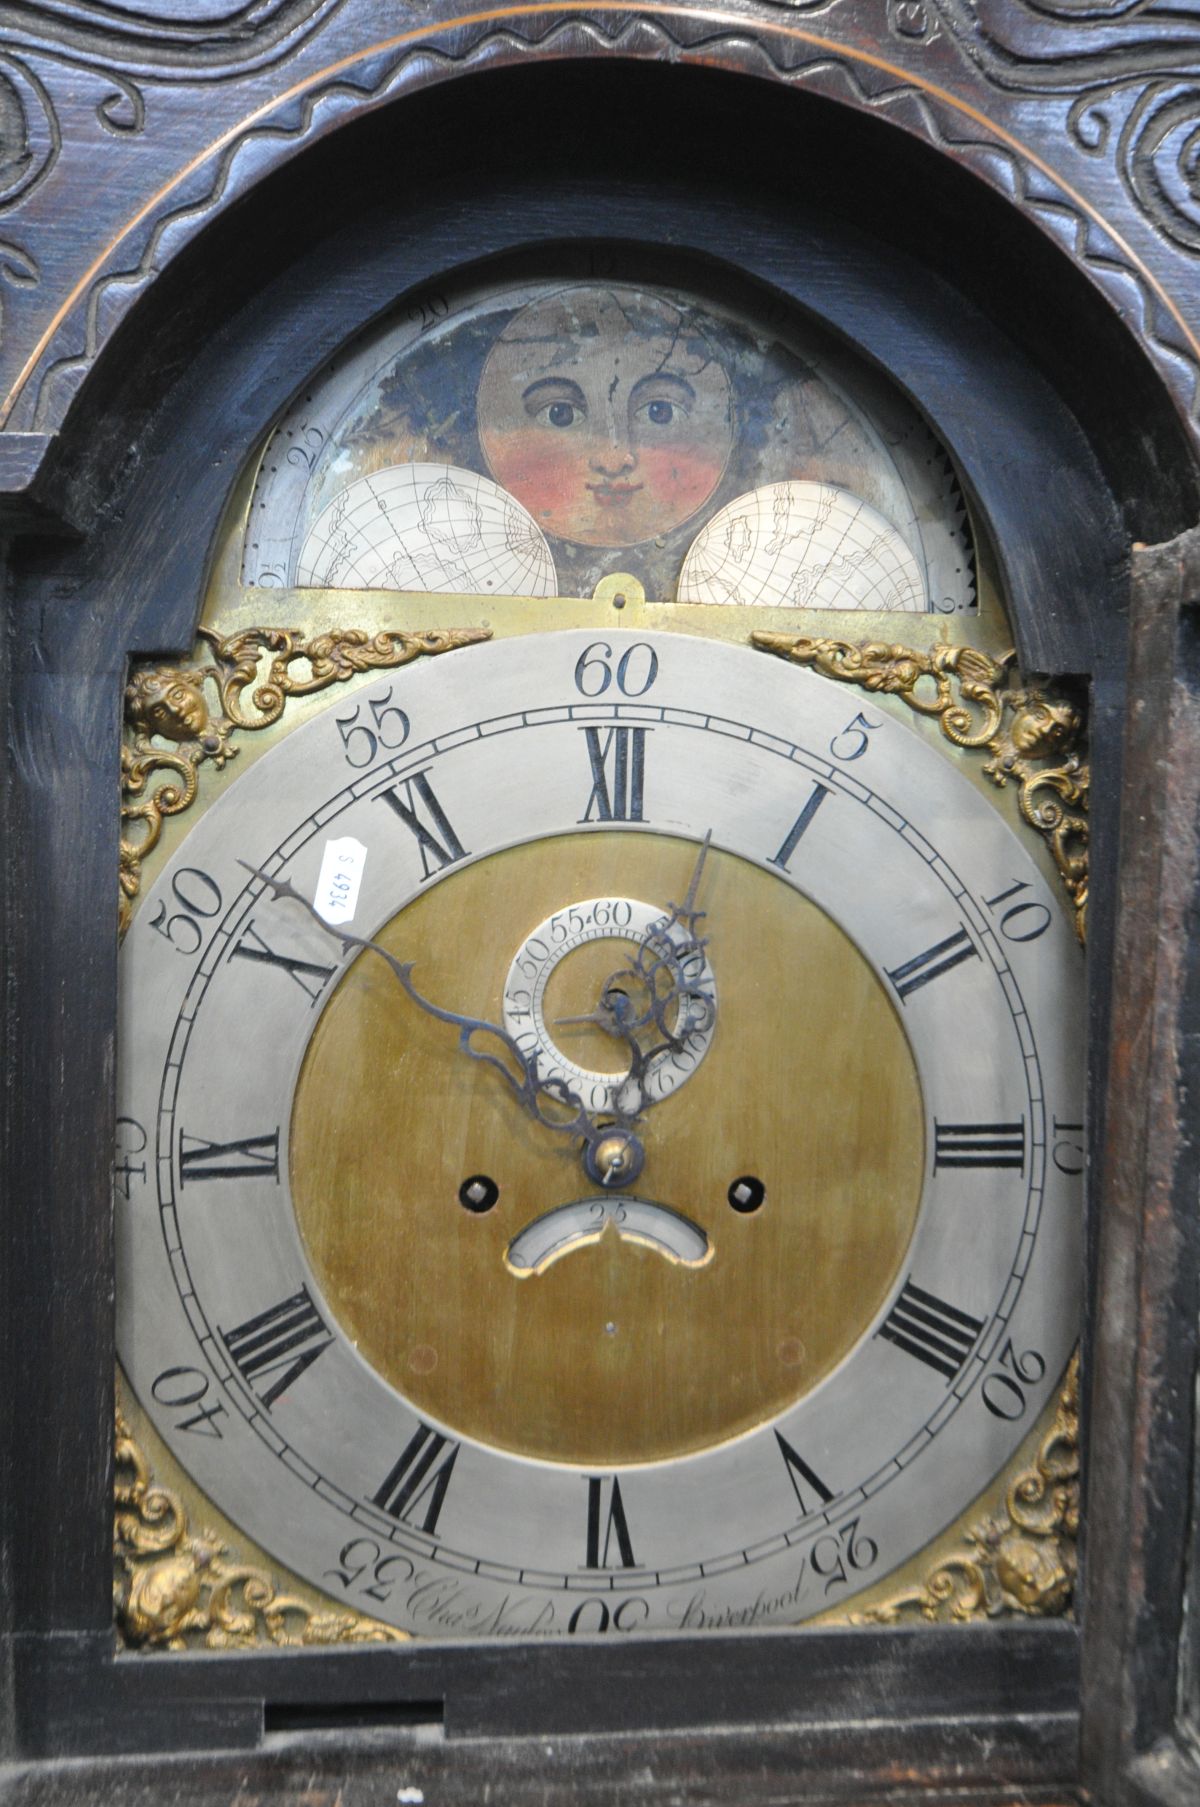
<point x="90" y="472"/>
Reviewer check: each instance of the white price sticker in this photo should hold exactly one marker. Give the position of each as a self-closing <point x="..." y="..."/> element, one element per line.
<point x="336" y="896"/>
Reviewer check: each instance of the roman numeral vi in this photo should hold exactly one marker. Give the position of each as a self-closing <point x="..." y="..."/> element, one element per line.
<point x="604" y="1527"/>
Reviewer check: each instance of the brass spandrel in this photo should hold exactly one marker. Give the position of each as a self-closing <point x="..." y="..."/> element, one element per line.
<point x="185" y="1579"/>
<point x="1032" y="739"/>
<point x="181" y="717"/>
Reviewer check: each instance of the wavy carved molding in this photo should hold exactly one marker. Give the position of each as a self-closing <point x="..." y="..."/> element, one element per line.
<point x="44" y="46"/>
<point x="1131" y="76"/>
<point x="1116" y="86"/>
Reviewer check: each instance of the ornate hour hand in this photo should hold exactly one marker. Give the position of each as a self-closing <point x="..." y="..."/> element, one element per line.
<point x="612" y="1152"/>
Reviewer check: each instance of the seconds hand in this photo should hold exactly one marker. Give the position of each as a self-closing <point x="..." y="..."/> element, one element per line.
<point x="617" y="1012"/>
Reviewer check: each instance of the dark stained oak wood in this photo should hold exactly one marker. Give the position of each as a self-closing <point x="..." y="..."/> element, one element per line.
<point x="1147" y="1320"/>
<point x="1073" y="440"/>
<point x="764" y="1768"/>
<point x="139" y="134"/>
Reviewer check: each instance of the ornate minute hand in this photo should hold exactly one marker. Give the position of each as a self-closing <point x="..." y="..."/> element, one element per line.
<point x="612" y="1153"/>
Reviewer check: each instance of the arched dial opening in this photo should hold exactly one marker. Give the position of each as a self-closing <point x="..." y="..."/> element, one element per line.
<point x="527" y="436"/>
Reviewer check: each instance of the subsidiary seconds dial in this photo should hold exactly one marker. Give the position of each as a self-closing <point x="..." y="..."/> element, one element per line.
<point x="659" y="1225"/>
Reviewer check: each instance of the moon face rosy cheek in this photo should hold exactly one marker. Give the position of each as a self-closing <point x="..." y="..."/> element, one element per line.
<point x="565" y="484"/>
<point x="537" y="468"/>
<point x="678" y="480"/>
<point x="543" y="474"/>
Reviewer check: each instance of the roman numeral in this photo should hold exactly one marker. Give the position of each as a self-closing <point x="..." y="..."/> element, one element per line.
<point x="419" y="1480"/>
<point x="799" y="827"/>
<point x="938" y="1334"/>
<point x="618" y="774"/>
<point x="936" y="960"/>
<point x="979" y="1145"/>
<point x="417" y="807"/>
<point x="614" y="1523"/>
<point x="285" y="1340"/>
<point x="257" y="1158"/>
<point x="309" y="975"/>
<point x="799" y="1473"/>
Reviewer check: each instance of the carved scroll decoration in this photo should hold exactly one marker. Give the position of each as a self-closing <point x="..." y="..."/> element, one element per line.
<point x="1129" y="74"/>
<point x="1022" y="1561"/>
<point x="1102" y="80"/>
<point x="175" y="1589"/>
<point x="1033" y="740"/>
<point x="173" y="728"/>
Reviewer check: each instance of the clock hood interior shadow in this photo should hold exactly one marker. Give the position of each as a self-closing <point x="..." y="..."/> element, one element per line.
<point x="210" y="356"/>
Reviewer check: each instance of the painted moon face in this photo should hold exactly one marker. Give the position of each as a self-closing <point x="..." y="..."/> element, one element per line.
<point x="427" y="527"/>
<point x="607" y="414"/>
<point x="803" y="544"/>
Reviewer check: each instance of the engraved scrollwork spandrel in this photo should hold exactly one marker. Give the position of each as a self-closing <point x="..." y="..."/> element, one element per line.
<point x="181" y="717"/>
<point x="1033" y="741"/>
<point x="176" y="1590"/>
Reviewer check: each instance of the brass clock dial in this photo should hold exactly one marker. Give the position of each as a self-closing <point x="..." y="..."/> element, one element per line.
<point x="618" y="1350"/>
<point x="399" y="1323"/>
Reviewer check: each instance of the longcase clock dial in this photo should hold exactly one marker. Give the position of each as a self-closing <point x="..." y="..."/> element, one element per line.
<point x="601" y="1103"/>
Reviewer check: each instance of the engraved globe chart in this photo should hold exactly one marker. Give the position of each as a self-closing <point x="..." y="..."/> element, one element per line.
<point x="428" y="527"/>
<point x="805" y="545"/>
